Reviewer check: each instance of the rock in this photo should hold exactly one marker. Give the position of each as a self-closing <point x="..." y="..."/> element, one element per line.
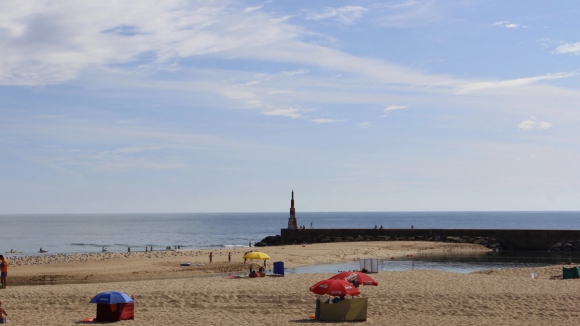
<point x="480" y="241"/>
<point x="556" y="246"/>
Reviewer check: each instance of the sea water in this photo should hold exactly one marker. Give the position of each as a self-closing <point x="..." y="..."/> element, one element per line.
<point x="81" y="233"/>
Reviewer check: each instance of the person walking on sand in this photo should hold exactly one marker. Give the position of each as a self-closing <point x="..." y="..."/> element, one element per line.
<point x="2" y="314"/>
<point x="4" y="268"/>
<point x="210" y="257"/>
<point x="229" y="257"/>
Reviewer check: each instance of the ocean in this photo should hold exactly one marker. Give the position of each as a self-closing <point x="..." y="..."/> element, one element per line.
<point x="82" y="233"/>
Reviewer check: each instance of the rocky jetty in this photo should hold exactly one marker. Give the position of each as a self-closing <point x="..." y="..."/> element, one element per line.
<point x="489" y="242"/>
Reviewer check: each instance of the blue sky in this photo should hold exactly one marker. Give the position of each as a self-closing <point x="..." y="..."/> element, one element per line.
<point x="227" y="106"/>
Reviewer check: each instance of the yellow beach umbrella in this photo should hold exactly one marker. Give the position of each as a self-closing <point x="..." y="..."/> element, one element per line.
<point x="256" y="255"/>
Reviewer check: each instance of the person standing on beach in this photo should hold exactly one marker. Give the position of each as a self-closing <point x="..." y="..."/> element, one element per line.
<point x="2" y="314"/>
<point x="210" y="257"/>
<point x="4" y="268"/>
<point x="229" y="257"/>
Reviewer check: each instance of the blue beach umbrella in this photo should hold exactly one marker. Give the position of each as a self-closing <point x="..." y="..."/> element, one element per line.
<point x="111" y="297"/>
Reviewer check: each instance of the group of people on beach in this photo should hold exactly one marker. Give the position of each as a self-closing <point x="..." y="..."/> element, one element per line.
<point x="174" y="247"/>
<point x="260" y="273"/>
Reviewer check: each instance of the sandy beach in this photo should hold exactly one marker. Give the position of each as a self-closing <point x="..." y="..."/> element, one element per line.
<point x="168" y="294"/>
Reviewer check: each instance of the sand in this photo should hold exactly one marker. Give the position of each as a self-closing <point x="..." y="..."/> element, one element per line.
<point x="168" y="294"/>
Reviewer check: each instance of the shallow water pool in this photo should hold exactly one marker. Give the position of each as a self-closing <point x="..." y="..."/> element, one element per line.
<point x="457" y="263"/>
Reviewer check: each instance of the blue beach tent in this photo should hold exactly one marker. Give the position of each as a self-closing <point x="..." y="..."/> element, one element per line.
<point x="114" y="306"/>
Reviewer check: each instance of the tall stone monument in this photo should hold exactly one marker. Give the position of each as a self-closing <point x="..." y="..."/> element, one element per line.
<point x="292" y="224"/>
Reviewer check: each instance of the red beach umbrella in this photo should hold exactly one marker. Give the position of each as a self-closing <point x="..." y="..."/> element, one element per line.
<point x="336" y="288"/>
<point x="360" y="277"/>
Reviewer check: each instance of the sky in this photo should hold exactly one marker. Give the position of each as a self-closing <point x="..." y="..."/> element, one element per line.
<point x="227" y="106"/>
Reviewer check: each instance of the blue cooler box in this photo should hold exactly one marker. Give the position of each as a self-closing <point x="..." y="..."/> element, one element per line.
<point x="279" y="267"/>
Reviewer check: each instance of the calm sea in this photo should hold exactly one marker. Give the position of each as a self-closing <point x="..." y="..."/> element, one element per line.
<point x="76" y="233"/>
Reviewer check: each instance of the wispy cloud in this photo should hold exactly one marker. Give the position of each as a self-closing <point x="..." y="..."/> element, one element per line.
<point x="326" y="120"/>
<point x="392" y="108"/>
<point x="160" y="35"/>
<point x="476" y="86"/>
<point x="254" y="8"/>
<point x="533" y="124"/>
<point x="506" y="24"/>
<point x="285" y="112"/>
<point x="295" y="72"/>
<point x="167" y="32"/>
<point x="573" y="48"/>
<point x="345" y="15"/>
<point x="364" y="125"/>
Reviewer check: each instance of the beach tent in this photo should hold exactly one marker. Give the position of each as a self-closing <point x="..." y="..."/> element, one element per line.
<point x="573" y="272"/>
<point x="114" y="306"/>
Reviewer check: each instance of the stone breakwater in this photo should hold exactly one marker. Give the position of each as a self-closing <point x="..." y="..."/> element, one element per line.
<point x="495" y="239"/>
<point x="491" y="243"/>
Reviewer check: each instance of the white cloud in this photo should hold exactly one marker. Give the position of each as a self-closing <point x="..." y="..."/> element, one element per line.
<point x="295" y="72"/>
<point x="506" y="24"/>
<point x="286" y="112"/>
<point x="568" y="48"/>
<point x="326" y="120"/>
<point x="254" y="8"/>
<point x="475" y="86"/>
<point x="345" y="15"/>
<point x="394" y="107"/>
<point x="53" y="43"/>
<point x="363" y="125"/>
<point x="533" y="124"/>
<point x="41" y="47"/>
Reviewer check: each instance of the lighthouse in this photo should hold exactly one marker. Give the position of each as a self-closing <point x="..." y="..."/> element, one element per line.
<point x="292" y="225"/>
